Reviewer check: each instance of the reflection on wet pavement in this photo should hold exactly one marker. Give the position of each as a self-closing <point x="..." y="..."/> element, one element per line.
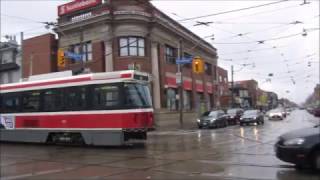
<point x="229" y="153"/>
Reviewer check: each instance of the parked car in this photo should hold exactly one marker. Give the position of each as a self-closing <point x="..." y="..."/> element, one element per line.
<point x="251" y="116"/>
<point x="316" y="112"/>
<point x="275" y="114"/>
<point x="234" y="115"/>
<point x="300" y="147"/>
<point x="212" y="119"/>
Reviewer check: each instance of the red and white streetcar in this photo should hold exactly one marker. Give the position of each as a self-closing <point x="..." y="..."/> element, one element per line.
<point x="94" y="109"/>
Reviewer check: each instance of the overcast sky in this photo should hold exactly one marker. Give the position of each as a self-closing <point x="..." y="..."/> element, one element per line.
<point x="286" y="58"/>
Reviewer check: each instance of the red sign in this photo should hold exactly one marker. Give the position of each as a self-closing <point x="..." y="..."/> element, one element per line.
<point x="199" y="87"/>
<point x="209" y="88"/>
<point x="76" y="6"/>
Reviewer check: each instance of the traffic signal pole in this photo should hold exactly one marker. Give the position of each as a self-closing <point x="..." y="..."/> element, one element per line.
<point x="180" y="86"/>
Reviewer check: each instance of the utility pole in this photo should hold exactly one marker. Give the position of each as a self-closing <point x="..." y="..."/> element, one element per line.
<point x="31" y="65"/>
<point x="232" y="86"/>
<point x="180" y="86"/>
<point x="22" y="63"/>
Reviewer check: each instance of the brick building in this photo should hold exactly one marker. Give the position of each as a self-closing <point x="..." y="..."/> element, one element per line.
<point x="246" y="93"/>
<point x="126" y="34"/>
<point x="39" y="55"/>
<point x="222" y="91"/>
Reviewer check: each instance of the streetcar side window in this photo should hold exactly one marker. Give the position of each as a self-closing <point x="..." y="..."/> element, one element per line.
<point x="31" y="101"/>
<point x="52" y="100"/>
<point x="75" y="98"/>
<point x="10" y="103"/>
<point x="106" y="97"/>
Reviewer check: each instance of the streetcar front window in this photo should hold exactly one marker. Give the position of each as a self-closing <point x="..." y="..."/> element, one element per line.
<point x="137" y="96"/>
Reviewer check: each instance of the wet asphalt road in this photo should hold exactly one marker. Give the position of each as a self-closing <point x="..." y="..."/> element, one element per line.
<point x="230" y="153"/>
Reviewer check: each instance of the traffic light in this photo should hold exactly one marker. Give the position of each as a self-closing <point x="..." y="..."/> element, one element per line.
<point x="197" y="65"/>
<point x="61" y="59"/>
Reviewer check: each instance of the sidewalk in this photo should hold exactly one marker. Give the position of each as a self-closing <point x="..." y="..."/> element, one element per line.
<point x="166" y="120"/>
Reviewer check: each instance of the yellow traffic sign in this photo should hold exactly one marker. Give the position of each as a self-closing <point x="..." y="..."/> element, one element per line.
<point x="61" y="59"/>
<point x="197" y="65"/>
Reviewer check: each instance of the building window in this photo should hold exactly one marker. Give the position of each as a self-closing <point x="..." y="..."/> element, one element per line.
<point x="86" y="51"/>
<point x="208" y="68"/>
<point x="6" y="57"/>
<point x="132" y="46"/>
<point x="170" y="55"/>
<point x="220" y="78"/>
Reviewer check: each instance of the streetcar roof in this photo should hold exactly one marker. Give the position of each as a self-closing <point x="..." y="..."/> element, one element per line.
<point x="93" y="78"/>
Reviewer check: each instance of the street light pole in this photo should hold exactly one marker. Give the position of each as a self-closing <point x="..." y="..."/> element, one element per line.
<point x="180" y="86"/>
<point x="232" y="86"/>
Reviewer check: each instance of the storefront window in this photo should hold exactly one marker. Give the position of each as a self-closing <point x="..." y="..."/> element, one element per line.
<point x="187" y="100"/>
<point x="171" y="99"/>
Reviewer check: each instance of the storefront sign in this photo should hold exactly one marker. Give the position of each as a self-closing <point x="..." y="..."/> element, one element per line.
<point x="76" y="6"/>
<point x="81" y="17"/>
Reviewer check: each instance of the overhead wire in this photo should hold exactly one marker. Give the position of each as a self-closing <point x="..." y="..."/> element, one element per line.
<point x="231" y="11"/>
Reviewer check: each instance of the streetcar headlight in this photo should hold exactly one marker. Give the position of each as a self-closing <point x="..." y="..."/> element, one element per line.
<point x="198" y="120"/>
<point x="294" y="142"/>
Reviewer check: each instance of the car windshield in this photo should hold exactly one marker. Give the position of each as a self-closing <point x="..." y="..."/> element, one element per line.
<point x="137" y="95"/>
<point x="232" y="111"/>
<point x="211" y="113"/>
<point x="251" y="112"/>
<point x="275" y="110"/>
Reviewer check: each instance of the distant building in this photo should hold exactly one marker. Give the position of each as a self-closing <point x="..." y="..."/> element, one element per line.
<point x="314" y="99"/>
<point x="222" y="89"/>
<point x="272" y="100"/>
<point x="10" y="61"/>
<point x="245" y="93"/>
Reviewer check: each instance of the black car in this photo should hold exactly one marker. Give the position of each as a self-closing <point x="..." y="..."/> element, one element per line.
<point x="234" y="115"/>
<point x="300" y="147"/>
<point x="212" y="119"/>
<point x="251" y="116"/>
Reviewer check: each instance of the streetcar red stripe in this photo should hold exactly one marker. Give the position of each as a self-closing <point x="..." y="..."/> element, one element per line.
<point x="130" y="120"/>
<point x="46" y="83"/>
